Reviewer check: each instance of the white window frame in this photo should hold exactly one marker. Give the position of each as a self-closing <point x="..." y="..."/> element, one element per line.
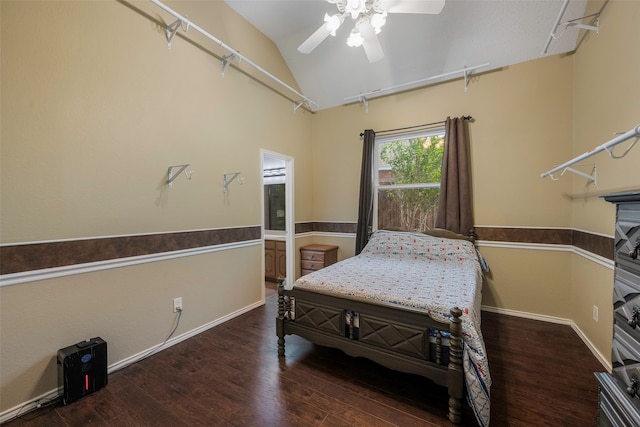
<point x="379" y="141"/>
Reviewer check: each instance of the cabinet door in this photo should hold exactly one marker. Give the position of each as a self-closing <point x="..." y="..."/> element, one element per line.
<point x="281" y="259"/>
<point x="270" y="260"/>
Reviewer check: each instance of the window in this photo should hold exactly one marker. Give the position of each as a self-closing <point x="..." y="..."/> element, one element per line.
<point x="274" y="177"/>
<point x="274" y="209"/>
<point x="407" y="180"/>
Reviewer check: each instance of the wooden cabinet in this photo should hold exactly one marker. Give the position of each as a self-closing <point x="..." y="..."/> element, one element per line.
<point x="315" y="257"/>
<point x="619" y="392"/>
<point x="275" y="259"/>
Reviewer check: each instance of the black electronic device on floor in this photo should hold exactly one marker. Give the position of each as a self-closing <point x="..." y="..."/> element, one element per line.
<point x="82" y="368"/>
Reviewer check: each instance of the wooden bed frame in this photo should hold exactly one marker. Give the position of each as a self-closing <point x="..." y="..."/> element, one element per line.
<point x="394" y="336"/>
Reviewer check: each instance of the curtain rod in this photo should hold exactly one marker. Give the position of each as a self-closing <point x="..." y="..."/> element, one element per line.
<point x="416" y="127"/>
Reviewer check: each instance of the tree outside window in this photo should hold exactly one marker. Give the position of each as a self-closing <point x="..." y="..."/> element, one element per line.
<point x="408" y="182"/>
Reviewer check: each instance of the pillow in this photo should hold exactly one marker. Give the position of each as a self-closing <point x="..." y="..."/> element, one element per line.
<point x="411" y="245"/>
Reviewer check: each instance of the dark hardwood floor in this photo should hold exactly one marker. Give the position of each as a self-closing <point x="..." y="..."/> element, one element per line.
<point x="231" y="376"/>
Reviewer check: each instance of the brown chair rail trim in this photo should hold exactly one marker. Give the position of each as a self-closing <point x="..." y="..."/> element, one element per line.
<point x="594" y="243"/>
<point x="37" y="256"/>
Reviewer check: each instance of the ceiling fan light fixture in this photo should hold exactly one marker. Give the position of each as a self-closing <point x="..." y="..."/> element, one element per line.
<point x="378" y="20"/>
<point x="355" y="8"/>
<point x="332" y="22"/>
<point x="355" y="38"/>
<point x="369" y="16"/>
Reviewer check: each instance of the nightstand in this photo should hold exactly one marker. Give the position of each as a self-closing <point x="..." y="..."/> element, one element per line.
<point x="315" y="257"/>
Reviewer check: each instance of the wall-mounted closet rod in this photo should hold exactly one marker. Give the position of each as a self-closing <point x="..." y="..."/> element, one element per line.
<point x="633" y="133"/>
<point x="236" y="53"/>
<point x="363" y="96"/>
<point x="555" y="26"/>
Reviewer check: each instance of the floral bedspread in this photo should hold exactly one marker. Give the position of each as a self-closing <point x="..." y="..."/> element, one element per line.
<point x="424" y="272"/>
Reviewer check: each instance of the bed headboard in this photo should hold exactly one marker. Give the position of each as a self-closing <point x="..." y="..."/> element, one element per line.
<point x="447" y="234"/>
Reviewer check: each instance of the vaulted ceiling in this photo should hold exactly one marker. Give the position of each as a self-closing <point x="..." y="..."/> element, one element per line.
<point x="417" y="47"/>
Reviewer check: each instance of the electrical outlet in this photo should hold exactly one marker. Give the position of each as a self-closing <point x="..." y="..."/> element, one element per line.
<point x="595" y="313"/>
<point x="177" y="304"/>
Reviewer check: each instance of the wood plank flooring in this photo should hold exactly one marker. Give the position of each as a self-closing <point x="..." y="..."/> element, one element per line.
<point x="231" y="376"/>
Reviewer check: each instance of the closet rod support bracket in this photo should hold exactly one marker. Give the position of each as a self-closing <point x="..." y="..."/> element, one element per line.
<point x="297" y="105"/>
<point x="172" y="177"/>
<point x="365" y="102"/>
<point x="226" y="60"/>
<point x="228" y="178"/>
<point x="576" y="24"/>
<point x="172" y="29"/>
<point x="591" y="178"/>
<point x="466" y="79"/>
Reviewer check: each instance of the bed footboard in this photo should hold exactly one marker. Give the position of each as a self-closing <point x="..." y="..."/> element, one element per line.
<point x="391" y="336"/>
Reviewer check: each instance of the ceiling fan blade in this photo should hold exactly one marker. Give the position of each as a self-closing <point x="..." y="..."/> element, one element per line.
<point x="370" y="43"/>
<point x="314" y="39"/>
<point x="412" y="6"/>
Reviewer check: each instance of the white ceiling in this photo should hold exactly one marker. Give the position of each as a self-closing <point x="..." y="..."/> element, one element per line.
<point x="466" y="33"/>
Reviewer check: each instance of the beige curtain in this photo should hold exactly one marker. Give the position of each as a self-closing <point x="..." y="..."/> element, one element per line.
<point x="454" y="206"/>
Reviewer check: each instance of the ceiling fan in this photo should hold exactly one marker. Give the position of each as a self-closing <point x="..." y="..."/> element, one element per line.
<point x="369" y="17"/>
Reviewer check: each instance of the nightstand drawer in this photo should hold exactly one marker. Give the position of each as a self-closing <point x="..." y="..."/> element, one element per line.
<point x="311" y="265"/>
<point x="310" y="255"/>
<point x="315" y="257"/>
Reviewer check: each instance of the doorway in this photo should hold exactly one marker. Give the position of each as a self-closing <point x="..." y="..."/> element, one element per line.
<point x="278" y="223"/>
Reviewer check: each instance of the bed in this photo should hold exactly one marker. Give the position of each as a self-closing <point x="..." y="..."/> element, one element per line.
<point x="408" y="301"/>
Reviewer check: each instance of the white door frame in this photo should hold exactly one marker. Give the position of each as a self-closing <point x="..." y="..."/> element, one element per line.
<point x="290" y="222"/>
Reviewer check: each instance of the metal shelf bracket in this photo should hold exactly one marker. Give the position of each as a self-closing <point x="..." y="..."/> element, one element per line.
<point x="229" y="178"/>
<point x="173" y="176"/>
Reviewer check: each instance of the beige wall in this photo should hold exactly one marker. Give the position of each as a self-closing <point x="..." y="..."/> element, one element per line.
<point x="606" y="94"/>
<point x="605" y="102"/>
<point x="131" y="308"/>
<point x="95" y="108"/>
<point x="522" y="125"/>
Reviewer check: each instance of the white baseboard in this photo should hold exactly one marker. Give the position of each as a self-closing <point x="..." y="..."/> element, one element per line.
<point x="44" y="398"/>
<point x="603" y="360"/>
<point x="552" y="319"/>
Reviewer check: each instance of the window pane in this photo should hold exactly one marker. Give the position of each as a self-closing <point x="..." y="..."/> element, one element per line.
<point x="274" y="199"/>
<point x="410" y="161"/>
<point x="408" y="181"/>
<point x="407" y="209"/>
